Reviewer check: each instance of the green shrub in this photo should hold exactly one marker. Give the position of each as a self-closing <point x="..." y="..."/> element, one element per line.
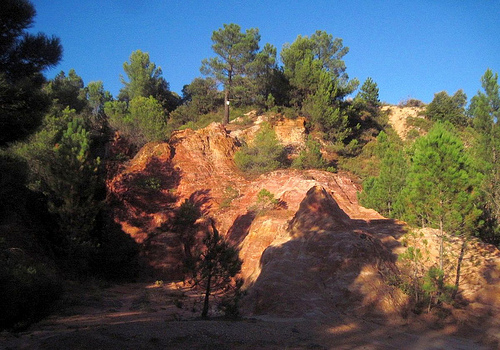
<point x="310" y="157"/>
<point x="28" y="288"/>
<point x="265" y="201"/>
<point x="265" y="154"/>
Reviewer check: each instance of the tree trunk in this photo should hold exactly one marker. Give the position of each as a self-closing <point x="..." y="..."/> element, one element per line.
<point x="204" y="313"/>
<point x="227" y="88"/>
<point x="441" y="245"/>
<point x="225" y="121"/>
<point x="459" y="265"/>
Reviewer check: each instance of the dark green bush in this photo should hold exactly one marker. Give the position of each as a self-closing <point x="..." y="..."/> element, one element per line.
<point x="28" y="288"/>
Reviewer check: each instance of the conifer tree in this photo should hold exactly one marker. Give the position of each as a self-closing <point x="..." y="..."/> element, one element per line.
<point x="235" y="52"/>
<point x="383" y="192"/>
<point x="369" y="93"/>
<point x="23" y="58"/>
<point x="441" y="185"/>
<point x="216" y="265"/>
<point x="448" y="108"/>
<point x="485" y="111"/>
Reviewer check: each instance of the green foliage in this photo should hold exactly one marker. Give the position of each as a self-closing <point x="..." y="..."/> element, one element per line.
<point x="418" y="127"/>
<point x="307" y="58"/>
<point x="264" y="79"/>
<point x="426" y="286"/>
<point x="369" y="94"/>
<point x="441" y="185"/>
<point x="383" y="193"/>
<point x="143" y="121"/>
<point x="145" y="80"/>
<point x="413" y="261"/>
<point x="150" y="183"/>
<point x="96" y="98"/>
<point x="265" y="154"/>
<point x="310" y="157"/>
<point x="265" y="201"/>
<point x="67" y="91"/>
<point x="149" y="119"/>
<point x="318" y="81"/>
<point x="445" y="108"/>
<point x="216" y="265"/>
<point x="324" y="113"/>
<point x="64" y="169"/>
<point x="200" y="98"/>
<point x="485" y="111"/>
<point x="24" y="56"/>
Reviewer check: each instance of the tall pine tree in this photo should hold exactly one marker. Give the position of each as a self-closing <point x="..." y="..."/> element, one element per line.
<point x="485" y="111"/>
<point x="441" y="185"/>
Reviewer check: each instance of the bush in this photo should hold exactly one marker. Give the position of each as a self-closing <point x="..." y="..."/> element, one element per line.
<point x="310" y="157"/>
<point x="265" y="200"/>
<point x="265" y="154"/>
<point x="411" y="102"/>
<point x="143" y="121"/>
<point x="28" y="288"/>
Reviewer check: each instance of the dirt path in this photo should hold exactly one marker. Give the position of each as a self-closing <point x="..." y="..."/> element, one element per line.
<point x="151" y="316"/>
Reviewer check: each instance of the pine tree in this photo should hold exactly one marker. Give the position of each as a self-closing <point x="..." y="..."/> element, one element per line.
<point x="235" y="52"/>
<point x="485" y="111"/>
<point x="441" y="185"/>
<point x="216" y="265"/>
<point x="383" y="192"/>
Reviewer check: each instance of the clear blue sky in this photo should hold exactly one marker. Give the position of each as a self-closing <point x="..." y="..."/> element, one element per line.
<point x="410" y="48"/>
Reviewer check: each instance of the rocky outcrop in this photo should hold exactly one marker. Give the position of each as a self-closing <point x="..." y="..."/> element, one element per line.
<point x="326" y="265"/>
<point x="317" y="251"/>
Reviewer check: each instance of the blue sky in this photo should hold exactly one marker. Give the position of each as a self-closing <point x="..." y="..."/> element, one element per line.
<point x="411" y="49"/>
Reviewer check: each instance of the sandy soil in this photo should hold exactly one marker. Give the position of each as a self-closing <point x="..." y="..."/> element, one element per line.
<point x="152" y="316"/>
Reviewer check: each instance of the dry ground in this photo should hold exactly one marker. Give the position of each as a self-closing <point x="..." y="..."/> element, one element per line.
<point x="152" y="316"/>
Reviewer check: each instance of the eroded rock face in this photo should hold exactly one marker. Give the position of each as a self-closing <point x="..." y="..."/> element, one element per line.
<point x="316" y="252"/>
<point x="325" y="265"/>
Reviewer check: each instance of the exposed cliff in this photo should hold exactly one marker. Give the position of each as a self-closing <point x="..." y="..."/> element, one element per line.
<point x="316" y="252"/>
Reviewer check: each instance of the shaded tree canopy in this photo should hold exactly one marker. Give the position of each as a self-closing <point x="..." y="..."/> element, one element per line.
<point x="67" y="91"/>
<point x="23" y="58"/>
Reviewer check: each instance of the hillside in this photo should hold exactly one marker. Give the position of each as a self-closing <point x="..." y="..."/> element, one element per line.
<point x="318" y="268"/>
<point x="318" y="223"/>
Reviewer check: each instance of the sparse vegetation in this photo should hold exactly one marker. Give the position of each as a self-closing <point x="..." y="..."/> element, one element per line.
<point x="263" y="155"/>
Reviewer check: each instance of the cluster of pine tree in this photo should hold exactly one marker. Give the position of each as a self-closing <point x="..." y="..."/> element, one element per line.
<point x="446" y="179"/>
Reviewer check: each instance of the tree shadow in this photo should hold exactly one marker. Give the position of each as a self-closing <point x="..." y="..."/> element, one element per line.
<point x="138" y="195"/>
<point x="331" y="265"/>
<point x="241" y="227"/>
<point x="199" y="199"/>
<point x="171" y="246"/>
